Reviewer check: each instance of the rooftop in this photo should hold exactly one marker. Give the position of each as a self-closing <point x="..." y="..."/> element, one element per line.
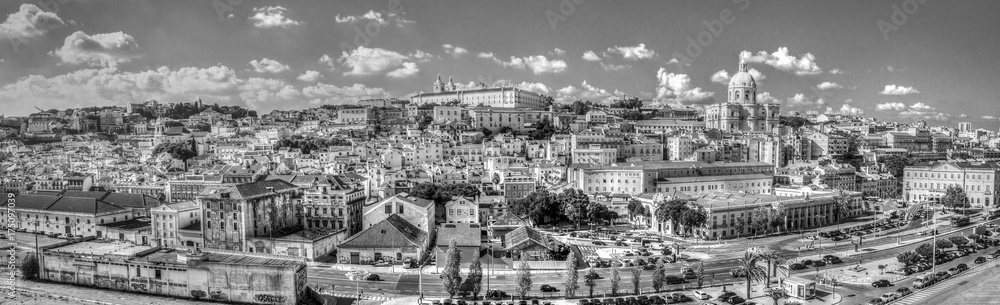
<point x="102" y="248"/>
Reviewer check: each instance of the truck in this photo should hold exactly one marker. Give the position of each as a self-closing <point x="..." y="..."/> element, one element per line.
<point x="924" y="280"/>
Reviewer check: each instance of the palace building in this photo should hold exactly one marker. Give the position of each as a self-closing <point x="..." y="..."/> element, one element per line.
<point x="742" y="113"/>
<point x="482" y="95"/>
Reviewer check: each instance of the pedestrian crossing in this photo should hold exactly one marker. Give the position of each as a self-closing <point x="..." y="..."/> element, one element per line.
<point x="363" y="296"/>
<point x="919" y="295"/>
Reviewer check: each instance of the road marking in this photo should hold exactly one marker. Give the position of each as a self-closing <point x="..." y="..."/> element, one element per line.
<point x="919" y="295"/>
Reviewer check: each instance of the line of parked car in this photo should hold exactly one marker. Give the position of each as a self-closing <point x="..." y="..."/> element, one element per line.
<point x="805" y="264"/>
<point x="928" y="279"/>
<point x="865" y="229"/>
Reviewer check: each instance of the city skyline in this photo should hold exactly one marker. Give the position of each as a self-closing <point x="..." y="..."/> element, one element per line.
<point x="891" y="60"/>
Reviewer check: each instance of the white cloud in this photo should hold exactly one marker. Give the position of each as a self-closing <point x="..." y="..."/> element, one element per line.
<point x="923" y="114"/>
<point x="829" y="86"/>
<point x="408" y="69"/>
<point x="421" y="56"/>
<point x="633" y="52"/>
<point x="721" y="77"/>
<point x="377" y="17"/>
<point x="372" y="61"/>
<point x="781" y="60"/>
<point x="485" y="55"/>
<point x="310" y="76"/>
<point x="454" y="50"/>
<point x="765" y="97"/>
<point x="538" y="64"/>
<point x="332" y="94"/>
<point x="898" y="90"/>
<point x="963" y="115"/>
<point x="846" y="109"/>
<point x="989" y="117"/>
<point x="836" y="71"/>
<point x="29" y="22"/>
<point x="535" y="87"/>
<point x="585" y="92"/>
<point x="800" y="99"/>
<point x="557" y="52"/>
<point x="890" y="106"/>
<point x="921" y="106"/>
<point x="329" y="61"/>
<point x="677" y="89"/>
<point x="268" y="66"/>
<point x="272" y="17"/>
<point x="591" y="56"/>
<point x="98" y="50"/>
<point x="812" y="112"/>
<point x="848" y="101"/>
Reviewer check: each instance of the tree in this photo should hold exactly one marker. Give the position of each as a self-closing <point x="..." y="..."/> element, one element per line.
<point x="180" y="151"/>
<point x="943" y="244"/>
<point x="701" y="273"/>
<point x="748" y="266"/>
<point x="523" y="278"/>
<point x="486" y="132"/>
<point x="955" y="198"/>
<point x="573" y="203"/>
<point x="776" y="293"/>
<point x="907" y="258"/>
<point x="616" y="280"/>
<point x="475" y="278"/>
<point x="794" y="122"/>
<point x="580" y="108"/>
<point x="590" y="280"/>
<point x="29" y="267"/>
<point x="773" y="263"/>
<point x="452" y="273"/>
<point x="505" y="129"/>
<point x="659" y="275"/>
<point x="629" y="103"/>
<point x="635" y="208"/>
<point x="925" y="250"/>
<point x="693" y="219"/>
<point x="959" y="240"/>
<point x="572" y="277"/>
<point x="895" y="164"/>
<point x="741" y="225"/>
<point x="672" y="210"/>
<point x="636" y="277"/>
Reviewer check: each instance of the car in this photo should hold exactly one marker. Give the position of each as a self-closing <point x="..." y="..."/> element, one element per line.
<point x="373" y="277"/>
<point x="749" y="303"/>
<point x="807" y="262"/>
<point x="889" y="297"/>
<point x="594" y="276"/>
<point x="725" y="296"/>
<point x="673" y="280"/>
<point x="962" y="267"/>
<point x="735" y="300"/>
<point x="881" y="283"/>
<point x="497" y="294"/>
<point x="680" y="297"/>
<point x="819" y="264"/>
<point x="599" y="243"/>
<point x="828" y="257"/>
<point x="980" y="260"/>
<point x="381" y="264"/>
<point x="835" y="260"/>
<point x="582" y="302"/>
<point x="797" y="266"/>
<point x="621" y="244"/>
<point x="903" y="291"/>
<point x="994" y="254"/>
<point x="548" y="288"/>
<point x="942" y="275"/>
<point x="954" y="271"/>
<point x="876" y="302"/>
<point x="649" y="267"/>
<point x="700" y="295"/>
<point x="409" y="263"/>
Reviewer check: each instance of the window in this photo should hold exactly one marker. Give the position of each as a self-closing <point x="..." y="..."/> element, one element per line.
<point x="400" y="208"/>
<point x="388" y="209"/>
<point x="138" y="272"/>
<point x="157" y="274"/>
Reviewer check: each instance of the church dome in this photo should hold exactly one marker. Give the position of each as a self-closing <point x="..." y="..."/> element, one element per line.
<point x="742" y="78"/>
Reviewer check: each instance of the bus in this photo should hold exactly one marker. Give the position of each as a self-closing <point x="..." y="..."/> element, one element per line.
<point x="959" y="221"/>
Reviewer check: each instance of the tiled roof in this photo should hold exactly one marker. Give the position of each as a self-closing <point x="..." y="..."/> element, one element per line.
<point x="130" y="224"/>
<point x="393" y="232"/>
<point x="65" y="204"/>
<point x="464" y="234"/>
<point x="520" y="237"/>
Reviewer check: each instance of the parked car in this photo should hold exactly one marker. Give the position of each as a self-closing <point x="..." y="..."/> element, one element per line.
<point x="599" y="243"/>
<point x="621" y="244"/>
<point x="725" y="296"/>
<point x="680" y="297"/>
<point x="409" y="263"/>
<point x="700" y="295"/>
<point x="797" y="266"/>
<point x="819" y="264"/>
<point x="953" y="271"/>
<point x="942" y="275"/>
<point x="980" y="260"/>
<point x="373" y="277"/>
<point x="594" y="276"/>
<point x="381" y="264"/>
<point x="835" y="260"/>
<point x="876" y="302"/>
<point x="903" y="291"/>
<point x="962" y="267"/>
<point x="548" y="288"/>
<point x="881" y="283"/>
<point x="889" y="297"/>
<point x="735" y="300"/>
<point x="673" y="280"/>
<point x="497" y="294"/>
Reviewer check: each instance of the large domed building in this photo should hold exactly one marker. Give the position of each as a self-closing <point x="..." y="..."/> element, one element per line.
<point x="741" y="112"/>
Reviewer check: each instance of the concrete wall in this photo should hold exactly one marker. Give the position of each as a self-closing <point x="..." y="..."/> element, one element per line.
<point x="251" y="284"/>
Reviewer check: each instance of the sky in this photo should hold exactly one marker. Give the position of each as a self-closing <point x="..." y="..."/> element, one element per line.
<point x="901" y="60"/>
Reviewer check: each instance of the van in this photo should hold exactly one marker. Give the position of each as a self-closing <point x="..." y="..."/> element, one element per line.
<point x="924" y="281"/>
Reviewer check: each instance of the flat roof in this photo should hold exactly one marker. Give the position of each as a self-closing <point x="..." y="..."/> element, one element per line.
<point x="102" y="248"/>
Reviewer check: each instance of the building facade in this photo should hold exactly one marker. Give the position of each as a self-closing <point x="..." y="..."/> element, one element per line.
<point x="741" y="112"/>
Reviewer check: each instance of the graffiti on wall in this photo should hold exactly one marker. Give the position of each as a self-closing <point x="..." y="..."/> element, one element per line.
<point x="139" y="287"/>
<point x="121" y="284"/>
<point x="239" y="280"/>
<point x="198" y="294"/>
<point x="218" y="296"/>
<point x="268" y="298"/>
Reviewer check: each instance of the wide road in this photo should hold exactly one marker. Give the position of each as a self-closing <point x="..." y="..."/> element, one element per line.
<point x="716" y="271"/>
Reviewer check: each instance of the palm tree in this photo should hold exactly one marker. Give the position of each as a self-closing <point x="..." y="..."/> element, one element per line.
<point x="747" y="266"/>
<point x="773" y="260"/>
<point x="776" y="293"/>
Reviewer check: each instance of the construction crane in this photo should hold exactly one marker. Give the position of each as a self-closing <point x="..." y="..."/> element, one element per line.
<point x="39" y="109"/>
